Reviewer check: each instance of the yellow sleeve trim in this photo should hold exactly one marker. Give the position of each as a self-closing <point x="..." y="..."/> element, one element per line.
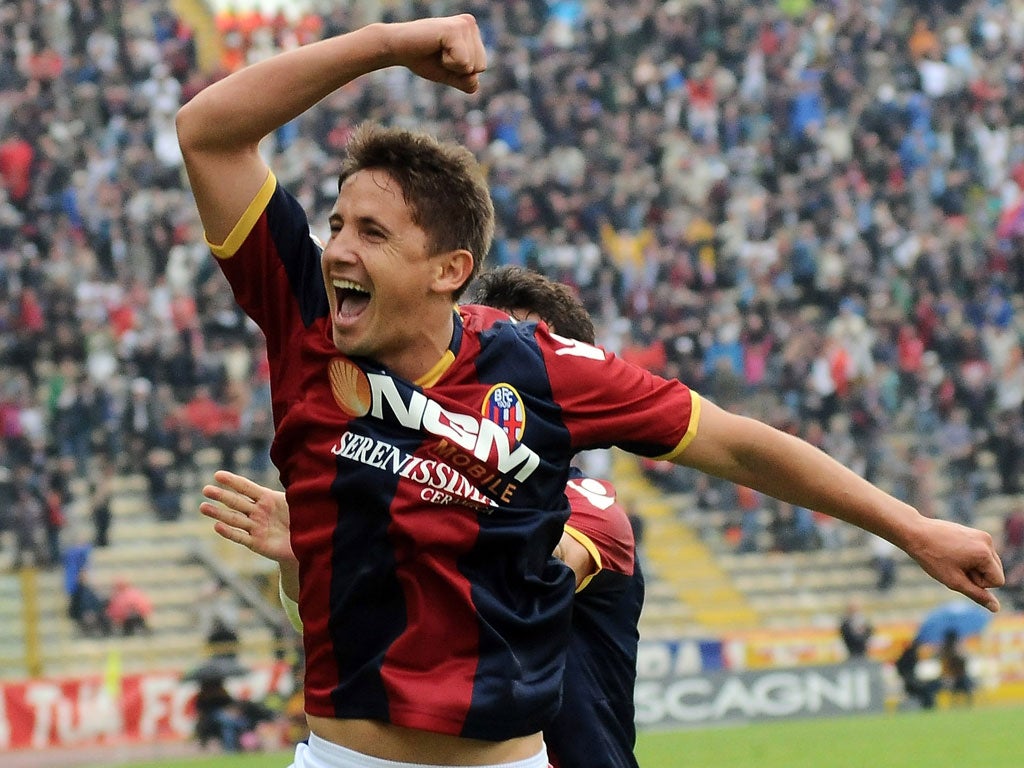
<point x="588" y="545"/>
<point x="691" y="430"/>
<point x="291" y="608"/>
<point x="234" y="241"/>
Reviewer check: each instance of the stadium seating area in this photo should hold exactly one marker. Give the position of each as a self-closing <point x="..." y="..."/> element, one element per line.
<point x="700" y="585"/>
<point x="171" y="562"/>
<point x="804" y="208"/>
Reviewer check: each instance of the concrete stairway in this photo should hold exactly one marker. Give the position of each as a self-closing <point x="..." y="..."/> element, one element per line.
<point x="688" y="592"/>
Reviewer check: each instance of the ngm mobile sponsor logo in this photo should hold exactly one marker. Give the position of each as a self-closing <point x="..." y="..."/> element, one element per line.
<point x="469" y="445"/>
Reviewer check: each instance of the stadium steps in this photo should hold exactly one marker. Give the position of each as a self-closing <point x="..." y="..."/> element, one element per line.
<point x="158" y="557"/>
<point x="694" y="595"/>
<point x="801" y="589"/>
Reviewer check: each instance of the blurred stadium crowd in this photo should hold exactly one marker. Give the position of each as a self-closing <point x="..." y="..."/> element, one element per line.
<point x="811" y="211"/>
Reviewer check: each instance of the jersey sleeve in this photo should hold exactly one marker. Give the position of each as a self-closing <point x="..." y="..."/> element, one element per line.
<point x="600" y="524"/>
<point x="607" y="401"/>
<point x="272" y="261"/>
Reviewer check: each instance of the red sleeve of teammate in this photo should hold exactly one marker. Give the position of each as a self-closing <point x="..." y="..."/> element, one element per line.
<point x="601" y="525"/>
<point x="606" y="401"/>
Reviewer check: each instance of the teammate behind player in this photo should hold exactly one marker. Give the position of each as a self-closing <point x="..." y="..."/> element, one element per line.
<point x="595" y="725"/>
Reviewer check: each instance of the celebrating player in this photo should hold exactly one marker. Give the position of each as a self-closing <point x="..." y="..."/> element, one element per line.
<point x="594" y="727"/>
<point x="424" y="450"/>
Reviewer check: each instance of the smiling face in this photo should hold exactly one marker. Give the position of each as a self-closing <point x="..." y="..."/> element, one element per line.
<point x="389" y="296"/>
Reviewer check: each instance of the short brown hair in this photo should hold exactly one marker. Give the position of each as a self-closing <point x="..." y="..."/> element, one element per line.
<point x="441" y="182"/>
<point x="511" y="288"/>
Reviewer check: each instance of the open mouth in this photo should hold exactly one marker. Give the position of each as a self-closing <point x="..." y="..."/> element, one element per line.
<point x="351" y="297"/>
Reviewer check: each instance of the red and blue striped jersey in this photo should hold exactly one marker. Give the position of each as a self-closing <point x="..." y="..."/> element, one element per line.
<point x="424" y="514"/>
<point x="594" y="727"/>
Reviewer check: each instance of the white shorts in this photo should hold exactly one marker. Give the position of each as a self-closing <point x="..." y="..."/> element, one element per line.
<point x="320" y="753"/>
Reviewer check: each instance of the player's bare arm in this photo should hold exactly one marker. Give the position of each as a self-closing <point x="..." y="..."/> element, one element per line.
<point x="576" y="556"/>
<point x="220" y="129"/>
<point x="758" y="456"/>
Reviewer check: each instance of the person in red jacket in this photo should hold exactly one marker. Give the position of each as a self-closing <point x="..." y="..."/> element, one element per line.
<point x="129" y="608"/>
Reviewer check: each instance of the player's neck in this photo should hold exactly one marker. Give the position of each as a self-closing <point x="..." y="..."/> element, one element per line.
<point x="428" y="348"/>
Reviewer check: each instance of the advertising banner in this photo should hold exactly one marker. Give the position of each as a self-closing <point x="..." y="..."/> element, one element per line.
<point x="155" y="706"/>
<point x="666" y="699"/>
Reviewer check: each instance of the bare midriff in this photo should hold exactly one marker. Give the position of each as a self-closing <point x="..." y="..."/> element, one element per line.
<point x="411" y="745"/>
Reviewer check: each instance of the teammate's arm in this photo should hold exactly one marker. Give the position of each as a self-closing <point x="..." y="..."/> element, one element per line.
<point x="754" y="454"/>
<point x="256" y="517"/>
<point x="576" y="556"/>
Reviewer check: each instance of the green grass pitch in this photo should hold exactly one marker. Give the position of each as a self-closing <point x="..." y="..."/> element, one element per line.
<point x="964" y="738"/>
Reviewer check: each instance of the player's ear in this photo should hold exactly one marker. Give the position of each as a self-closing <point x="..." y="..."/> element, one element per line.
<point x="453" y="269"/>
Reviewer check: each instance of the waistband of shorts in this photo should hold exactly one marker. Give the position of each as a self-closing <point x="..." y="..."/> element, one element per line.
<point x="336" y="756"/>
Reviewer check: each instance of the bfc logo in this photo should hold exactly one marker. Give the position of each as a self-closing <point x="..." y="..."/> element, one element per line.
<point x="504" y="407"/>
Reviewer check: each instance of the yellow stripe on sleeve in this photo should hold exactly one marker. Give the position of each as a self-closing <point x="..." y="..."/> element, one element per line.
<point x="234" y="241"/>
<point x="691" y="430"/>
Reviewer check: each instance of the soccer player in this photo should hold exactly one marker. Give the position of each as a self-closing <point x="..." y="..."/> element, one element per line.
<point x="424" y="449"/>
<point x="595" y="726"/>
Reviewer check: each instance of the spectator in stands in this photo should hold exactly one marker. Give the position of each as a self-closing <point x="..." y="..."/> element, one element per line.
<point x="217" y="605"/>
<point x="87" y="608"/>
<point x="100" y="499"/>
<point x="1015" y="579"/>
<point x="164" y="481"/>
<point x="921" y="690"/>
<point x="129" y="608"/>
<point x="883" y="559"/>
<point x="27" y="517"/>
<point x="855" y="630"/>
<point x="144" y="430"/>
<point x="792" y="528"/>
<point x="749" y="504"/>
<point x="956" y="677"/>
<point x="222" y="640"/>
<point x="56" y="496"/>
<point x="75" y="558"/>
<point x="219" y="716"/>
<point x="1013" y="530"/>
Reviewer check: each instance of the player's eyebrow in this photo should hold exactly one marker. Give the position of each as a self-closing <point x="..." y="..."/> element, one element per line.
<point x="336" y="219"/>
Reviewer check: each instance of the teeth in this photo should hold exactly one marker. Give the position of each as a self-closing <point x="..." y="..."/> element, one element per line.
<point x="348" y="285"/>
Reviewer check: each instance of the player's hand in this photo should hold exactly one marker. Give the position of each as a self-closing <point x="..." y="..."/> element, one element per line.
<point x="446" y="50"/>
<point x="249" y="514"/>
<point x="962" y="558"/>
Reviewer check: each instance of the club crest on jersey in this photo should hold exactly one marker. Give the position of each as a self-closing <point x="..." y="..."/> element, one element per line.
<point x="505" y="407"/>
<point x="350" y="387"/>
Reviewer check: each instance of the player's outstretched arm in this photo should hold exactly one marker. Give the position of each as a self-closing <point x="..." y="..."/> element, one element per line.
<point x="220" y="129"/>
<point x="256" y="517"/>
<point x="753" y="454"/>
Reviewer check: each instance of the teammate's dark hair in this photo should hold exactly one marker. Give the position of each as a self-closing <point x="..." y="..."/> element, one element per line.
<point x="514" y="288"/>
